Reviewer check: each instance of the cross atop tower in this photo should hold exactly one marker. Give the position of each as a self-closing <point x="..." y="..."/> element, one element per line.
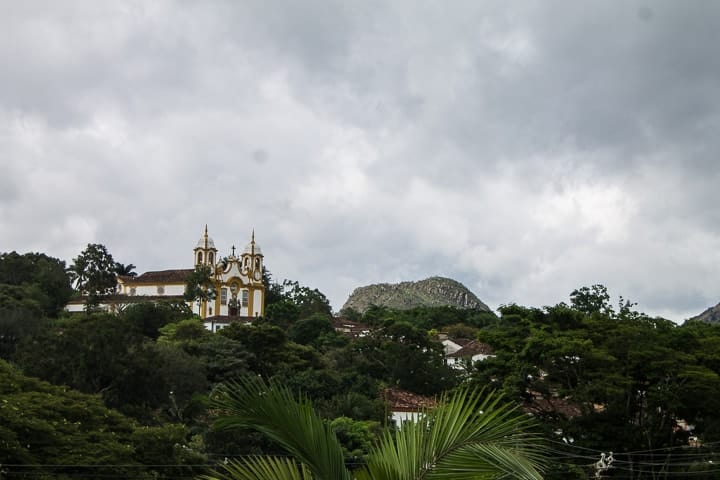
<point x="233" y="250"/>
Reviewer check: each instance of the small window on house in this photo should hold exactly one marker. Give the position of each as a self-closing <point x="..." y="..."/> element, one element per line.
<point x="133" y="291"/>
<point x="160" y="290"/>
<point x="245" y="298"/>
<point x="223" y="296"/>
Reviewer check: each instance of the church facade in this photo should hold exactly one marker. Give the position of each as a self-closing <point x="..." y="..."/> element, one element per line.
<point x="237" y="282"/>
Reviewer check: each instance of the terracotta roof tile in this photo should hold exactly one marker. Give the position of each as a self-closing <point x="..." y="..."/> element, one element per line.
<point x="542" y="405"/>
<point x="162" y="276"/>
<point x="229" y="319"/>
<point x="473" y="348"/>
<point x="342" y="322"/>
<point x="122" y="298"/>
<point x="404" y="401"/>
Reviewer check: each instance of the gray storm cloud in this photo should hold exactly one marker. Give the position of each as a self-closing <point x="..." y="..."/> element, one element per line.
<point x="525" y="150"/>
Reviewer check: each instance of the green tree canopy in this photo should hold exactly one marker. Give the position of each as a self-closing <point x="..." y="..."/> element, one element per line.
<point x="54" y="432"/>
<point x="149" y="317"/>
<point x="105" y="354"/>
<point x="93" y="272"/>
<point x="42" y="280"/>
<point x="595" y="299"/>
<point x="309" y="330"/>
<point x="289" y="302"/>
<point x="199" y="286"/>
<point x="611" y="380"/>
<point x="403" y="355"/>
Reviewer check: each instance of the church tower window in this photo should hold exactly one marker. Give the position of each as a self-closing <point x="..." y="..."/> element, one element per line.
<point x="205" y="251"/>
<point x="223" y="296"/>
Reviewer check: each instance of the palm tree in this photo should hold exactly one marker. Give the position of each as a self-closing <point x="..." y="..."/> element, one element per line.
<point x="470" y="435"/>
<point x="125" y="270"/>
<point x="199" y="286"/>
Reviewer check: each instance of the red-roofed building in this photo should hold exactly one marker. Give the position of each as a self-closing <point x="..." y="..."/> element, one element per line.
<point x="349" y="328"/>
<point x="406" y="406"/>
<point x="469" y="353"/>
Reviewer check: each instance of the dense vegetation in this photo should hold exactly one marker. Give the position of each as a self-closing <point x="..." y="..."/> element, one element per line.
<point x="127" y="394"/>
<point x="469" y="435"/>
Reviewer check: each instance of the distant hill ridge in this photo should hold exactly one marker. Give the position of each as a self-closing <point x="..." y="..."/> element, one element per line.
<point x="711" y="315"/>
<point x="431" y="292"/>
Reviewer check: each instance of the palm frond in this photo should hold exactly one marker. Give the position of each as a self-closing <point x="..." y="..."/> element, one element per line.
<point x="469" y="435"/>
<point x="262" y="468"/>
<point x="396" y="456"/>
<point x="292" y="423"/>
<point x="486" y="461"/>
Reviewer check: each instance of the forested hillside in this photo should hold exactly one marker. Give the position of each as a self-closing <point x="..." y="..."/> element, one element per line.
<point x="98" y="395"/>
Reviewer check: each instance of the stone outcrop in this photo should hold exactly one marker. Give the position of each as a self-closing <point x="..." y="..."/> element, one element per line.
<point x="711" y="315"/>
<point x="431" y="292"/>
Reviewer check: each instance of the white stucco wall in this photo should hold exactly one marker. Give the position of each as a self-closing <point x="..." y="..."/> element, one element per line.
<point x="75" y="307"/>
<point x="80" y="307"/>
<point x="172" y="289"/>
<point x="400" y="417"/>
<point x="214" y="327"/>
<point x="461" y="363"/>
<point x="481" y="357"/>
<point x="225" y="310"/>
<point x="257" y="303"/>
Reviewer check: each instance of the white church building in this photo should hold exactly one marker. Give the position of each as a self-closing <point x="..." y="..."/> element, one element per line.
<point x="237" y="281"/>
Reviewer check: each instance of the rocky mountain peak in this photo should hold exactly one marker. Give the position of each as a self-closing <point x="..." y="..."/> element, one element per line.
<point x="431" y="292"/>
<point x="711" y="315"/>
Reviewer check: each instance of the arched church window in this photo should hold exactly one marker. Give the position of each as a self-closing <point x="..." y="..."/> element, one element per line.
<point x="223" y="296"/>
<point x="245" y="297"/>
<point x="211" y="257"/>
<point x="200" y="257"/>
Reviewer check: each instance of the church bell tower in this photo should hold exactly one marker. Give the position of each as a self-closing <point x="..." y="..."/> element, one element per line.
<point x="205" y="252"/>
<point x="252" y="266"/>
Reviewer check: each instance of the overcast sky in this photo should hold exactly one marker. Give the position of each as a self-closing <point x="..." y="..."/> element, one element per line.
<point x="522" y="148"/>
